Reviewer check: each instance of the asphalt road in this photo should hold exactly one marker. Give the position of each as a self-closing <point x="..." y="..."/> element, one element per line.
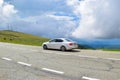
<point x="19" y="62"/>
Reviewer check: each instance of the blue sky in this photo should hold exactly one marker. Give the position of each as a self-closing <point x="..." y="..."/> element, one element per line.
<point x="81" y="19"/>
<point x="49" y="18"/>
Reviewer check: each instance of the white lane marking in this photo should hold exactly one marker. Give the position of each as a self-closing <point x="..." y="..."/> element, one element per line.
<point x="88" y="78"/>
<point x="54" y="71"/>
<point x="113" y="59"/>
<point x="8" y="59"/>
<point x="26" y="64"/>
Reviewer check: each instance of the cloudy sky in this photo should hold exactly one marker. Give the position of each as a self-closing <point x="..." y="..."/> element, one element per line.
<point x="82" y="19"/>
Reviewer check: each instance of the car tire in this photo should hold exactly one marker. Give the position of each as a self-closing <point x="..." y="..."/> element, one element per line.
<point x="45" y="47"/>
<point x="63" y="48"/>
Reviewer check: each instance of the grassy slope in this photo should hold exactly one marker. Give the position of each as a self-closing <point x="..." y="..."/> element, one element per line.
<point x="21" y="38"/>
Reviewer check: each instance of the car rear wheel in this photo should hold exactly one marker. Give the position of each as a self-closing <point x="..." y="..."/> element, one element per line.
<point x="45" y="47"/>
<point x="63" y="48"/>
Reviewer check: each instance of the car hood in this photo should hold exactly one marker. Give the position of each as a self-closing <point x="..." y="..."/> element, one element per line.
<point x="45" y="42"/>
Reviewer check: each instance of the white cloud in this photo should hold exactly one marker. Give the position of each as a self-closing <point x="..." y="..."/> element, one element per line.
<point x="1" y="2"/>
<point x="8" y="10"/>
<point x="7" y="13"/>
<point x="48" y="23"/>
<point x="99" y="18"/>
<point x="45" y="25"/>
<point x="68" y="18"/>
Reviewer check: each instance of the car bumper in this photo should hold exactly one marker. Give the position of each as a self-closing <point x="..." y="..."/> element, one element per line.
<point x="72" y="47"/>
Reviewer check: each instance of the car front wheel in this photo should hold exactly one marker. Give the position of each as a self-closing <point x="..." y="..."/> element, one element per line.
<point x="45" y="47"/>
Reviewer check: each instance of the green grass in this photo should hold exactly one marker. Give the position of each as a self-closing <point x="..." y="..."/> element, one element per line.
<point x="21" y="38"/>
<point x="114" y="50"/>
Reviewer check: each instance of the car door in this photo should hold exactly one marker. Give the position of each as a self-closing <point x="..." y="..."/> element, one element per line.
<point x="58" y="43"/>
<point x="52" y="44"/>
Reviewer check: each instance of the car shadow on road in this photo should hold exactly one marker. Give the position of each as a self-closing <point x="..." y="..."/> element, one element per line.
<point x="75" y="50"/>
<point x="72" y="51"/>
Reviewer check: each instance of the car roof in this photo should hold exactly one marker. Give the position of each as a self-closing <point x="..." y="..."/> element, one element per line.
<point x="64" y="39"/>
<point x="61" y="38"/>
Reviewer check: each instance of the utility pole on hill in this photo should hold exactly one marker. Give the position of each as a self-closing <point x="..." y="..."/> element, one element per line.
<point x="9" y="27"/>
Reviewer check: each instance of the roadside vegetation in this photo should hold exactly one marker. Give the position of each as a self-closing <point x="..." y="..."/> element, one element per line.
<point x="114" y="50"/>
<point x="21" y="38"/>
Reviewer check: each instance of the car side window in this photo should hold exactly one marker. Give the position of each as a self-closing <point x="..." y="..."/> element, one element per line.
<point x="52" y="40"/>
<point x="59" y="40"/>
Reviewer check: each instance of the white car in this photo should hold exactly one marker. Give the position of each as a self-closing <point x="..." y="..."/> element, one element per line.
<point x="62" y="44"/>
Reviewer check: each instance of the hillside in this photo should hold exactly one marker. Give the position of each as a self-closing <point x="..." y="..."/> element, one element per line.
<point x="21" y="38"/>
